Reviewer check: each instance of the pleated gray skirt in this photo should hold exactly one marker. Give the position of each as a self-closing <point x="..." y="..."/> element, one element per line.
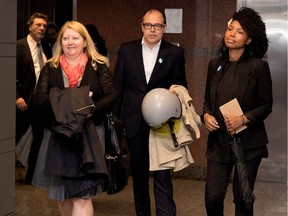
<point x="55" y="184"/>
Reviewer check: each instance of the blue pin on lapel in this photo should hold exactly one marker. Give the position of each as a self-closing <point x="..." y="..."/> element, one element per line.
<point x="160" y="60"/>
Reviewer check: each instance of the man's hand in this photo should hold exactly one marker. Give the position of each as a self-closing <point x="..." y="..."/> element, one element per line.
<point x="21" y="104"/>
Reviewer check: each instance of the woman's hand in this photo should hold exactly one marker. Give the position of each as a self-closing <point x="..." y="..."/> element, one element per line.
<point x="232" y="123"/>
<point x="210" y="122"/>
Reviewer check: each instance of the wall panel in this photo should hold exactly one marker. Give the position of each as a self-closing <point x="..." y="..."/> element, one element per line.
<point x="8" y="12"/>
<point x="274" y="14"/>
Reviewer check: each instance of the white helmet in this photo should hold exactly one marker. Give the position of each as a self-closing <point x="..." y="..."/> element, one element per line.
<point x="160" y="105"/>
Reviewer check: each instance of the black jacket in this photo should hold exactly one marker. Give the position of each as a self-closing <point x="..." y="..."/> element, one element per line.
<point x="25" y="85"/>
<point x="71" y="107"/>
<point x="253" y="89"/>
<point x="130" y="80"/>
<point x="104" y="94"/>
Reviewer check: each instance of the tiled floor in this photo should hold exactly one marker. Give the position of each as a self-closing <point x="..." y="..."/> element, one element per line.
<point x="271" y="200"/>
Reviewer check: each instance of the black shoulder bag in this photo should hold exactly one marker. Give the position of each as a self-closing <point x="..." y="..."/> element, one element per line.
<point x="115" y="155"/>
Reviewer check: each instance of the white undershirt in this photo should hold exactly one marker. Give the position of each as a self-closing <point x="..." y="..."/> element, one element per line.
<point x="34" y="52"/>
<point x="149" y="58"/>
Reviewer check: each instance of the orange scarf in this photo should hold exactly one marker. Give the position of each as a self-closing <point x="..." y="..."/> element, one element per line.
<point x="73" y="74"/>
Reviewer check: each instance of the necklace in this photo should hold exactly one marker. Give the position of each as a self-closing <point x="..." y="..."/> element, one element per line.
<point x="233" y="60"/>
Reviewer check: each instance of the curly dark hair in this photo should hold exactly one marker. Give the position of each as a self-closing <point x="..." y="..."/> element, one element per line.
<point x="253" y="25"/>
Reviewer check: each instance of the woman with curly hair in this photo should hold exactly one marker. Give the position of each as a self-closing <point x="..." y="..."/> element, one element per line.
<point x="238" y="72"/>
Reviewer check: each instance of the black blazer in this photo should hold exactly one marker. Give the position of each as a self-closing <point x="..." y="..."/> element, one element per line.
<point x="130" y="80"/>
<point x="25" y="85"/>
<point x="25" y="75"/>
<point x="253" y="90"/>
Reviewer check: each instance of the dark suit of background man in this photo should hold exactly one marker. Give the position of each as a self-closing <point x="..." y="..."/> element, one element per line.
<point x="29" y="65"/>
<point x="143" y="65"/>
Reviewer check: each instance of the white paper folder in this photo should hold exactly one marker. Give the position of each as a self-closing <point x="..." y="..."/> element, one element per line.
<point x="233" y="108"/>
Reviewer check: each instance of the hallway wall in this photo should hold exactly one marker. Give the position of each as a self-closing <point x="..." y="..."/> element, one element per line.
<point x="57" y="11"/>
<point x="8" y="13"/>
<point x="274" y="14"/>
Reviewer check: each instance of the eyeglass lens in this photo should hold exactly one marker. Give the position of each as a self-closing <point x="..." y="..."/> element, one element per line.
<point x="156" y="26"/>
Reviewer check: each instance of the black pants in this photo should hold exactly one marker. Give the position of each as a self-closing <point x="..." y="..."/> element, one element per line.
<point x="22" y="124"/>
<point x="37" y="125"/>
<point x="218" y="175"/>
<point x="163" y="188"/>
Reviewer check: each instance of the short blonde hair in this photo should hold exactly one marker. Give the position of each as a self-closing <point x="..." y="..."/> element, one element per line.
<point x="90" y="49"/>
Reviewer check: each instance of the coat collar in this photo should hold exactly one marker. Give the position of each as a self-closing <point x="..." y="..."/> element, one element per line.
<point x="243" y="76"/>
<point x="84" y="78"/>
<point x="139" y="60"/>
<point x="159" y="61"/>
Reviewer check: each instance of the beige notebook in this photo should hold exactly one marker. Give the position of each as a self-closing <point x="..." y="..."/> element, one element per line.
<point x="233" y="108"/>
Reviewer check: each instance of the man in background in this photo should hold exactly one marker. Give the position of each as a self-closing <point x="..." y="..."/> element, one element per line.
<point x="30" y="60"/>
<point x="49" y="39"/>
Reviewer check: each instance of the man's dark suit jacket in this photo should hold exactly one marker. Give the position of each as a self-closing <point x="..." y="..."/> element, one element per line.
<point x="130" y="80"/>
<point x="25" y="75"/>
<point x="25" y="84"/>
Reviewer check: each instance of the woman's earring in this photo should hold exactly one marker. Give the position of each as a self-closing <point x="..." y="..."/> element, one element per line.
<point x="248" y="42"/>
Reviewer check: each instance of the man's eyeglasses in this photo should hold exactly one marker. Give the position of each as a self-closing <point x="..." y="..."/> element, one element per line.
<point x="156" y="26"/>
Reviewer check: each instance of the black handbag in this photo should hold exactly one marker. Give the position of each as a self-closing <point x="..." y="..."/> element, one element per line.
<point x="115" y="155"/>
